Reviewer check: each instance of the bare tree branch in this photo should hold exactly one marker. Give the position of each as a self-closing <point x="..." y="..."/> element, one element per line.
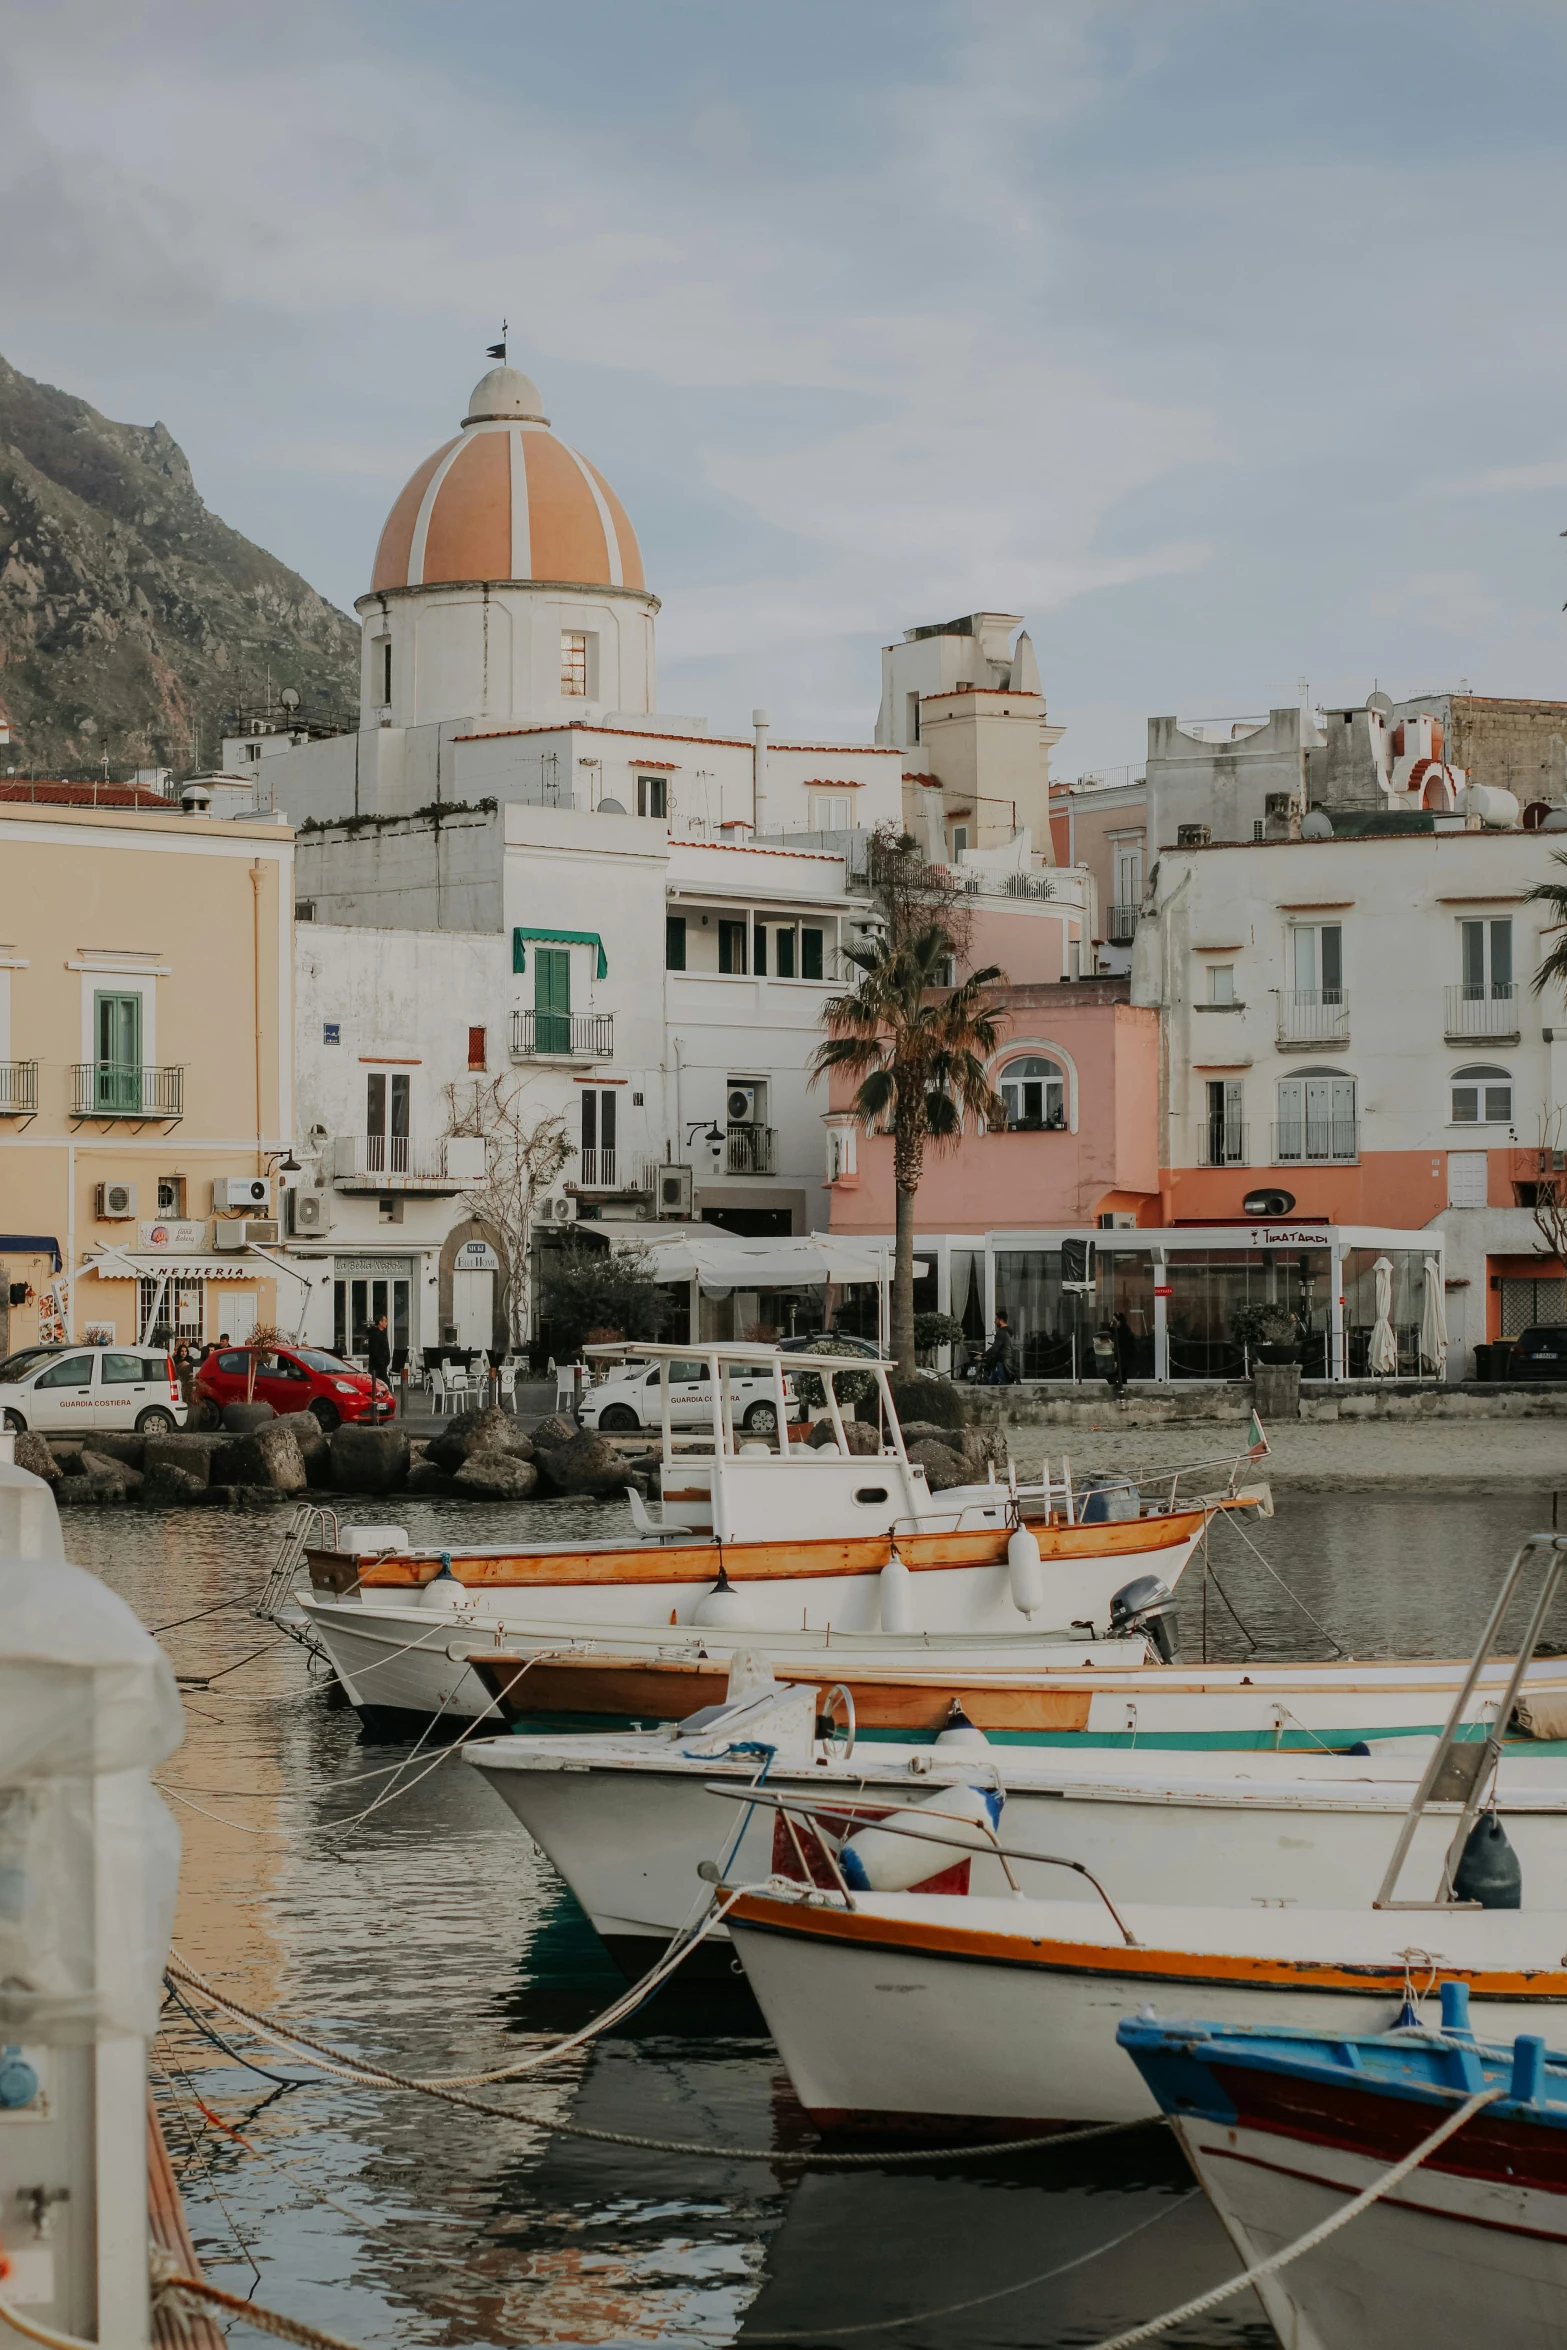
<point x="522" y="1159"/>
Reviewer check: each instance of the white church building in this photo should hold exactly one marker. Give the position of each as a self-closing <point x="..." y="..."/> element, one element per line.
<point x="518" y="866"/>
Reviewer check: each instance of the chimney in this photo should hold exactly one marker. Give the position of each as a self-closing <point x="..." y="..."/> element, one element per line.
<point x="761" y="722"/>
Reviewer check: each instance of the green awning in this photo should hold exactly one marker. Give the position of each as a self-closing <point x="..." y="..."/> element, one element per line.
<point x="557" y="938"/>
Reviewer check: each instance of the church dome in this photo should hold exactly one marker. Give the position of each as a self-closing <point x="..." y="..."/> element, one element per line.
<point x="507" y="500"/>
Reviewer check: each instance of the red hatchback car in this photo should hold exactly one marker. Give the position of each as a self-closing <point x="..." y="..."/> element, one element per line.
<point x="295" y="1379"/>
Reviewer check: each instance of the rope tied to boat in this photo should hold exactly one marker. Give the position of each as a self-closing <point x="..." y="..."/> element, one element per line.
<point x="1330" y="2226"/>
<point x="170" y="2284"/>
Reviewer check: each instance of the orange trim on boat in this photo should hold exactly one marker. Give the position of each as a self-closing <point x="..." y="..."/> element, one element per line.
<point x="861" y="1930"/>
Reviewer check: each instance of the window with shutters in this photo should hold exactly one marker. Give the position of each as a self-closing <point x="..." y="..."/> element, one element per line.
<point x="1316" y="1118"/>
<point x="476" y="1048"/>
<point x="731" y="946"/>
<point x="552" y="999"/>
<point x="674" y="942"/>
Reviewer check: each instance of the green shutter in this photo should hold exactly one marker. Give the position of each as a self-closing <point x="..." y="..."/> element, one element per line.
<point x="117" y="1030"/>
<point x="552" y="999"/>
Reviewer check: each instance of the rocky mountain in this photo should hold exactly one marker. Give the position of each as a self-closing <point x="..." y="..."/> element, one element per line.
<point x="133" y="621"/>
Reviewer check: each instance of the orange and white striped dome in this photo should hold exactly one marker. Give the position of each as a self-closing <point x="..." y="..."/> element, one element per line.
<point x="507" y="500"/>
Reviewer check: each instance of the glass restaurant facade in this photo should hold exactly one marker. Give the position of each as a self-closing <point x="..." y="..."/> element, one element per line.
<point x="1172" y="1295"/>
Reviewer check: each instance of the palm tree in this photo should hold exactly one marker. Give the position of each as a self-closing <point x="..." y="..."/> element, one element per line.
<point x="920" y="1052"/>
<point x="1554" y="895"/>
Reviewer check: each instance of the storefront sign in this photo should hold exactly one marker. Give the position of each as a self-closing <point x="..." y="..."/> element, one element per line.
<point x="476" y="1256"/>
<point x="171" y="1235"/>
<point x="1288" y="1235"/>
<point x="1158" y="1292"/>
<point x="374" y="1268"/>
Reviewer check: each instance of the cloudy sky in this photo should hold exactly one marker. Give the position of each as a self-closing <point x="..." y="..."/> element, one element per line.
<point x="1225" y="339"/>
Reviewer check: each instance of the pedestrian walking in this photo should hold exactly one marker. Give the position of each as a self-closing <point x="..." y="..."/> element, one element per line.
<point x="998" y="1365"/>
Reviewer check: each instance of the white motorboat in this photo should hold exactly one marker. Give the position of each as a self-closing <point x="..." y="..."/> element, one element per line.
<point x="902" y="2005"/>
<point x="791" y="1545"/>
<point x="630" y="1819"/>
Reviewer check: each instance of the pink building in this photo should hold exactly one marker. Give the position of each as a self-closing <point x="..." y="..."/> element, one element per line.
<point x="1079" y="1070"/>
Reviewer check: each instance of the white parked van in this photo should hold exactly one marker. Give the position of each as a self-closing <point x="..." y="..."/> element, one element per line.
<point x="87" y="1387"/>
<point x="628" y="1398"/>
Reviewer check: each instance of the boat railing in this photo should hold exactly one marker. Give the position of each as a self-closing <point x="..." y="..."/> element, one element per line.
<point x="1460" y="1768"/>
<point x="279" y="1586"/>
<point x="817" y="1812"/>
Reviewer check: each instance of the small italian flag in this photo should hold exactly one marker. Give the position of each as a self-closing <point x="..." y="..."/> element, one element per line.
<point x="1256" y="1440"/>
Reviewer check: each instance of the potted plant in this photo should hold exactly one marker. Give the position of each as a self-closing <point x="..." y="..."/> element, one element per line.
<point x="1270" y="1332"/>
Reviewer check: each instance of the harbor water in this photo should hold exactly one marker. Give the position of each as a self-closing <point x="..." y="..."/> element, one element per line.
<point x="390" y="1905"/>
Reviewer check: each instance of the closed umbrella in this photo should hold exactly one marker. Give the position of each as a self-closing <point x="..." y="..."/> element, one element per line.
<point x="1433" y="1319"/>
<point x="1382" y="1361"/>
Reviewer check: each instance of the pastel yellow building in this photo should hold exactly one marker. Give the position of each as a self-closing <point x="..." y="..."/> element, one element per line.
<point x="146" y="1072"/>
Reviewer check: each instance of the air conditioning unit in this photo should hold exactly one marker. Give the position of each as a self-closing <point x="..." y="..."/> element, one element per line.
<point x="242" y="1191"/>
<point x="743" y="1105"/>
<point x="1192" y="836"/>
<point x="556" y="1211"/>
<point x="245" y="1232"/>
<point x="1277" y="803"/>
<point x="310" y="1211"/>
<point x="673" y="1194"/>
<point x="116" y="1202"/>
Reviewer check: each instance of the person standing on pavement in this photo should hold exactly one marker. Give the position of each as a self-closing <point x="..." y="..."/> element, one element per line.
<point x="999" y="1362"/>
<point x="378" y="1354"/>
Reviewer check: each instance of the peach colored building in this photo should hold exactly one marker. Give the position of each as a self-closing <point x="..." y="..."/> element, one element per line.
<point x="146" y="1070"/>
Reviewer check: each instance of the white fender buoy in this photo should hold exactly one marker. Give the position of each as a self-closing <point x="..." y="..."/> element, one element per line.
<point x="1028" y="1583"/>
<point x="874" y="1861"/>
<point x="444" y="1590"/>
<point x="722" y="1606"/>
<point x="897" y="1598"/>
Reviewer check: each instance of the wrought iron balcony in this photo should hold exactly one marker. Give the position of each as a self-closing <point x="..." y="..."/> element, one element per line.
<point x="1326" y="1142"/>
<point x="1222" y="1142"/>
<point x="563" y="1036"/>
<point x="1121" y="928"/>
<point x="1317" y="1015"/>
<point x="393" y="1163"/>
<point x="18" y="1089"/>
<point x="119" y="1089"/>
<point x="751" y="1150"/>
<point x="1477" y="1011"/>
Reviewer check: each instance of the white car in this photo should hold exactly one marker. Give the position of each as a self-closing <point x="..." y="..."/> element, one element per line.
<point x="628" y="1399"/>
<point x="90" y="1387"/>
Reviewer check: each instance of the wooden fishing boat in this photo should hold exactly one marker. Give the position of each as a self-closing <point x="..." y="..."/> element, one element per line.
<point x="788" y="1540"/>
<point x="1283" y="2128"/>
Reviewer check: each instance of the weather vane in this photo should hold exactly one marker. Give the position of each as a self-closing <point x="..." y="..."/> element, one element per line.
<point x="498" y="350"/>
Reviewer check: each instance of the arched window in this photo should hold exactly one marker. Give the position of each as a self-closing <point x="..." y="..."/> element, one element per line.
<point x="1482" y="1096"/>
<point x="1034" y="1090"/>
<point x="1317" y="1118"/>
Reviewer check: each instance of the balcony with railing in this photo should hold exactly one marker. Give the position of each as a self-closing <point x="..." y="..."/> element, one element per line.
<point x="18" y="1089"/>
<point x="563" y="1036"/>
<point x="119" y="1089"/>
<point x="396" y="1163"/>
<point x="1121" y="925"/>
<point x="1313" y="1016"/>
<point x="1222" y="1142"/>
<point x="1324" y="1142"/>
<point x="751" y="1150"/>
<point x="1476" y="1011"/>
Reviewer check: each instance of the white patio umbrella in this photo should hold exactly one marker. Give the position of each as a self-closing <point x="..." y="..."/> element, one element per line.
<point x="1382" y="1361"/>
<point x="1433" y="1319"/>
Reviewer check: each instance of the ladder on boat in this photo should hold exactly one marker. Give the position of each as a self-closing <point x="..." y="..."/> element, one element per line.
<point x="279" y="1586"/>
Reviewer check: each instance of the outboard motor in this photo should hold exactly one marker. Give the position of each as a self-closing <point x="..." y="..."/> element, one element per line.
<point x="1148" y="1606"/>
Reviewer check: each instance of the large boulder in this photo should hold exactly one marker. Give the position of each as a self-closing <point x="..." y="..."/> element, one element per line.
<point x="119" y="1445"/>
<point x="941" y="1465"/>
<point x="495" y="1476"/>
<point x="555" y="1430"/>
<point x="111" y="1480"/>
<point x="489" y="1430"/>
<point x="165" y="1486"/>
<point x="266" y="1456"/>
<point x="588" y="1465"/>
<point x="927" y="1432"/>
<point x="79" y="1489"/>
<point x="191" y="1455"/>
<point x="33" y="1454"/>
<point x="369" y="1460"/>
<point x="428" y="1478"/>
<point x="240" y="1418"/>
<point x="313" y="1444"/>
<point x="858" y="1436"/>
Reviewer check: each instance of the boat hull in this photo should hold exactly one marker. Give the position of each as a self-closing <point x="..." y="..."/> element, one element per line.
<point x="1446" y="2260"/>
<point x="628" y="1829"/>
<point x="904" y="2014"/>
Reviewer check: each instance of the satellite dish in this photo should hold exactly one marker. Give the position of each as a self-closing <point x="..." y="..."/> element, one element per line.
<point x="611" y="808"/>
<point x="1380" y="703"/>
<point x="289" y="697"/>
